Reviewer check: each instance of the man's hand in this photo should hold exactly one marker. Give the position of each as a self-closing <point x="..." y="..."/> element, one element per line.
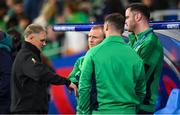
<point x="72" y="86"/>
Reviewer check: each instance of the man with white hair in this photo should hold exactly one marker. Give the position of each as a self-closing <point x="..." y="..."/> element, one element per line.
<point x="30" y="77"/>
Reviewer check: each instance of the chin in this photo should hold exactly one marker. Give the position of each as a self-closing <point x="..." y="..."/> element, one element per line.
<point x="91" y="46"/>
<point x="129" y="30"/>
<point x="40" y="49"/>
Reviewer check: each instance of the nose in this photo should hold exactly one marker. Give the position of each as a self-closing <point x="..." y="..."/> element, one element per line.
<point x="126" y="25"/>
<point x="90" y="39"/>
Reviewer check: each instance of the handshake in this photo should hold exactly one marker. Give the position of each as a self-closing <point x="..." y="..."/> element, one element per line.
<point x="72" y="87"/>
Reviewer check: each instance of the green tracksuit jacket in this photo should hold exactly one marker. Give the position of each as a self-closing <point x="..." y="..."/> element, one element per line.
<point x="149" y="48"/>
<point x="75" y="73"/>
<point x="119" y="76"/>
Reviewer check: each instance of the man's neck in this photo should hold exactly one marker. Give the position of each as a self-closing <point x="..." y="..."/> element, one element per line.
<point x="141" y="28"/>
<point x="113" y="34"/>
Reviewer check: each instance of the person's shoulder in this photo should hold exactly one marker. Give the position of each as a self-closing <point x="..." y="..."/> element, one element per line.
<point x="152" y="35"/>
<point x="25" y="54"/>
<point x="151" y="39"/>
<point x="80" y="59"/>
<point x="4" y="54"/>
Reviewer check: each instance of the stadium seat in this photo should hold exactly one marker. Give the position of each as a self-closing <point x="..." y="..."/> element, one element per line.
<point x="173" y="104"/>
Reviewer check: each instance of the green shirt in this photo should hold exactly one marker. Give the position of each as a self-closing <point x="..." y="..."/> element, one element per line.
<point x="119" y="75"/>
<point x="149" y="48"/>
<point x="75" y="73"/>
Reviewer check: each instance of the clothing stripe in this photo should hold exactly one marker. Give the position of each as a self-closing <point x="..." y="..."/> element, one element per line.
<point x="148" y="88"/>
<point x="93" y="94"/>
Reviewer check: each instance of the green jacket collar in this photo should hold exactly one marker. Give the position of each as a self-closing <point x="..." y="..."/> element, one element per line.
<point x="114" y="39"/>
<point x="140" y="35"/>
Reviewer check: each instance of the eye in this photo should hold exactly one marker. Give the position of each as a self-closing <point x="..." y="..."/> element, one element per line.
<point x="94" y="37"/>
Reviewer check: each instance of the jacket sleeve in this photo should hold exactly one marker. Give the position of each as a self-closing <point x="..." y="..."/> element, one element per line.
<point x="38" y="71"/>
<point x="150" y="54"/>
<point x="72" y="76"/>
<point x="141" y="84"/>
<point x="85" y="85"/>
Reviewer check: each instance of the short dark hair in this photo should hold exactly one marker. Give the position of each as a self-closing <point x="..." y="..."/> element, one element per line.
<point x="117" y="20"/>
<point x="16" y="36"/>
<point x="140" y="7"/>
<point x="17" y="40"/>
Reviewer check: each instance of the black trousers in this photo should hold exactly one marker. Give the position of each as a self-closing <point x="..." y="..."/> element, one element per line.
<point x="30" y="112"/>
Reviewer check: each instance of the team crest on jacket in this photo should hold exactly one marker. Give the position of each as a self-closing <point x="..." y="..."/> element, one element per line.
<point x="33" y="60"/>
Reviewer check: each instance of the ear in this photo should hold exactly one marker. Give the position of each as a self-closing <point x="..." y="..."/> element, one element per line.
<point x="138" y="16"/>
<point x="106" y="27"/>
<point x="31" y="37"/>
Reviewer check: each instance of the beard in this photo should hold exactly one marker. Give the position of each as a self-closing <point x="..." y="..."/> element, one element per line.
<point x="130" y="28"/>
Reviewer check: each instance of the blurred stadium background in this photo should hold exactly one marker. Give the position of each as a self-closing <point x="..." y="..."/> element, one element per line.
<point x="63" y="48"/>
